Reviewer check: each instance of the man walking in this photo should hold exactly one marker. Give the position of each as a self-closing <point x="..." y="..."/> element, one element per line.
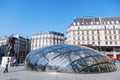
<point x="6" y="66"/>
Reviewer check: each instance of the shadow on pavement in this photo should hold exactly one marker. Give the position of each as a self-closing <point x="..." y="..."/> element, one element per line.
<point x="13" y="79"/>
<point x="16" y="70"/>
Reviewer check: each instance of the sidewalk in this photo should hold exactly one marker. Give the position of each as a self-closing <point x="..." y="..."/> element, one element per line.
<point x="19" y="73"/>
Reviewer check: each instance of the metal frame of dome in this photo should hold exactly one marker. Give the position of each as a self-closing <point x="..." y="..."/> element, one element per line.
<point x="68" y="58"/>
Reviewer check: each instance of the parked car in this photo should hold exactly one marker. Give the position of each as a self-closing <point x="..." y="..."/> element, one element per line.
<point x="117" y="60"/>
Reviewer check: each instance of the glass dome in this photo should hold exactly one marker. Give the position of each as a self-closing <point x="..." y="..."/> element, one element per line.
<point x="68" y="58"/>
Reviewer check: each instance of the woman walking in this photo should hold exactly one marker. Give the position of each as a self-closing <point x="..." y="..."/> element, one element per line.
<point x="6" y="66"/>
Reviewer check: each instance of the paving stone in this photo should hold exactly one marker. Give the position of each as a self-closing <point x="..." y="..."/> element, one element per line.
<point x="19" y="73"/>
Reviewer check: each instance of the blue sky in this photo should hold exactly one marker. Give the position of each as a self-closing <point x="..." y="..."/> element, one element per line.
<point x="26" y="17"/>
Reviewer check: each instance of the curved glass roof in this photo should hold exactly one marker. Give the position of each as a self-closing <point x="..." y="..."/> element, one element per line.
<point x="68" y="58"/>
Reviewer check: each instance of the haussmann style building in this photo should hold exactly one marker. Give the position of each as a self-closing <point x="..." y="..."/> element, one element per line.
<point x="101" y="33"/>
<point x="46" y="38"/>
<point x="21" y="46"/>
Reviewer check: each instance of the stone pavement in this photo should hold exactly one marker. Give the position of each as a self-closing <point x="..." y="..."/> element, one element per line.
<point x="19" y="73"/>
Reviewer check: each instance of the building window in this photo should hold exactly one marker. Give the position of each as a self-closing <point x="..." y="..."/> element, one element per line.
<point x="92" y="37"/>
<point x="105" y="32"/>
<point x="73" y="33"/>
<point x="87" y="37"/>
<point x="74" y="23"/>
<point x="97" y="22"/>
<point x="98" y="42"/>
<point x="104" y="22"/>
<point x="98" y="37"/>
<point x="82" y="32"/>
<point x="117" y="22"/>
<point x="78" y="38"/>
<point x="87" y="32"/>
<point x="108" y="22"/>
<point x="78" y="23"/>
<point x="118" y="31"/>
<point x="73" y="38"/>
<point x="91" y="23"/>
<point x="110" y="42"/>
<point x="105" y="27"/>
<point x="98" y="32"/>
<point x="82" y="37"/>
<point x="115" y="42"/>
<point x="109" y="31"/>
<point x="106" y="37"/>
<point x="112" y="22"/>
<point x="87" y="42"/>
<point x="92" y="32"/>
<point x="114" y="31"/>
<point x="110" y="37"/>
<point x="106" y="42"/>
<point x="86" y="22"/>
<point x="114" y="37"/>
<point x="74" y="42"/>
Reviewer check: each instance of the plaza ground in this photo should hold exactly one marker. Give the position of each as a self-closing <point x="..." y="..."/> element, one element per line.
<point x="19" y="73"/>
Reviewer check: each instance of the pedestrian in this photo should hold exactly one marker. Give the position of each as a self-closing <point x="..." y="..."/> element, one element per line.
<point x="15" y="62"/>
<point x="6" y="65"/>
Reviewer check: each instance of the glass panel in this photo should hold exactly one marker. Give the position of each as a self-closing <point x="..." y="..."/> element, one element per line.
<point x="111" y="67"/>
<point x="51" y="55"/>
<point x="83" y="54"/>
<point x="73" y="48"/>
<point x="68" y="69"/>
<point x="47" y="50"/>
<point x="63" y="50"/>
<point x="90" y="52"/>
<point x="59" y="63"/>
<point x="35" y="58"/>
<point x="101" y="59"/>
<point x="103" y="67"/>
<point x="94" y="69"/>
<point x="56" y="46"/>
<point x="78" y="66"/>
<point x="31" y="54"/>
<point x="90" y="61"/>
<point x="41" y="63"/>
<point x="73" y="56"/>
